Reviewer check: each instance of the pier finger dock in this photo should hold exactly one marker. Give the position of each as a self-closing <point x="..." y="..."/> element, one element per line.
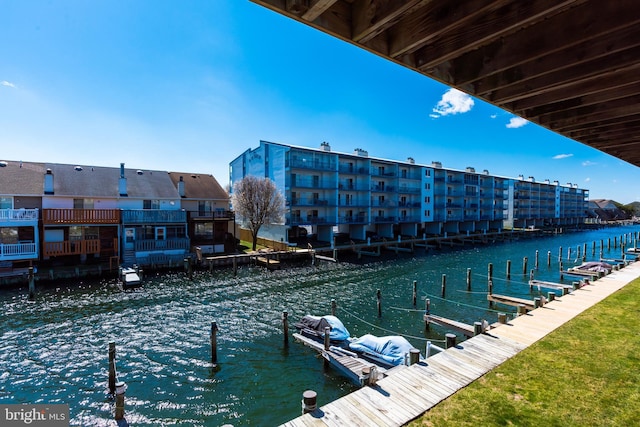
<point x="399" y="398"/>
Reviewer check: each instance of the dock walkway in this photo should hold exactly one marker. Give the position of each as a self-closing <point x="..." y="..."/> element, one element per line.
<point x="407" y="394"/>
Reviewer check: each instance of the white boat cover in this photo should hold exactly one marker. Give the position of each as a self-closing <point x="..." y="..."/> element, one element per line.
<point x="391" y="348"/>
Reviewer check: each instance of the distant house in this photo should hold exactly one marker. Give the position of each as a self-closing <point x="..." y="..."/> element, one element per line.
<point x="20" y="203"/>
<point x="210" y="222"/>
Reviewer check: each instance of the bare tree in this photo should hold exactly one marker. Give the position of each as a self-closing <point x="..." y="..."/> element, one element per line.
<point x="257" y="202"/>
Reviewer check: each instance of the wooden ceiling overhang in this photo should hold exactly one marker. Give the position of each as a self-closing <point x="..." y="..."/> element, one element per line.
<point x="572" y="67"/>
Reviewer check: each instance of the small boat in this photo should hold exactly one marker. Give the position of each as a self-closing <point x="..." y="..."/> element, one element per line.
<point x="595" y="266"/>
<point x="391" y="350"/>
<point x="130" y="277"/>
<point x="314" y="327"/>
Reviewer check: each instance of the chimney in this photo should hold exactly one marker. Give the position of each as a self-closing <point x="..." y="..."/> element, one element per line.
<point x="436" y="164"/>
<point x="411" y="160"/>
<point x="470" y="169"/>
<point x="48" y="182"/>
<point x="181" y="187"/>
<point x="325" y="146"/>
<point x="122" y="184"/>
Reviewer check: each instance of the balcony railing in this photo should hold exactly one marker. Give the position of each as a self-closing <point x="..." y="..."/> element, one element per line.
<point x="71" y="247"/>
<point x="150" y="245"/>
<point x="153" y="216"/>
<point x="81" y="216"/>
<point x="313" y="164"/>
<point x="354" y="219"/>
<point x="211" y="214"/>
<point x="18" y="215"/>
<point x="16" y="251"/>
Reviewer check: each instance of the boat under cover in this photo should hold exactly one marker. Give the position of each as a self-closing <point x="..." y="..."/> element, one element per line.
<point x="315" y="326"/>
<point x="595" y="266"/>
<point x="391" y="349"/>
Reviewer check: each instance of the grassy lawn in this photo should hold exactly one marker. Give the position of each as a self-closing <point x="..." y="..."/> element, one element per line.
<point x="245" y="247"/>
<point x="585" y="373"/>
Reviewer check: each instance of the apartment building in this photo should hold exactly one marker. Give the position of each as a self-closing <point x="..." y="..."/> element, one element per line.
<point x="353" y="194"/>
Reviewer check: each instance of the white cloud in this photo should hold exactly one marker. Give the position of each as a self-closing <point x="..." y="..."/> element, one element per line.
<point x="562" y="156"/>
<point x="493" y="116"/>
<point x="6" y="83"/>
<point x="453" y="102"/>
<point x="516" y="122"/>
<point x="588" y="163"/>
<point x="587" y="180"/>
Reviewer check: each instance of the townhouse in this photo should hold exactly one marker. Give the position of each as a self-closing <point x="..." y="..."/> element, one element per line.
<point x="61" y="214"/>
<point x="352" y="194"/>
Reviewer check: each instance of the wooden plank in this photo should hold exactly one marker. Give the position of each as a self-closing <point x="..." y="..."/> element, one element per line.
<point x="460" y="327"/>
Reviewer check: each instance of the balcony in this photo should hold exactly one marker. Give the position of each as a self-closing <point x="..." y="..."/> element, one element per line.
<point x="18" y="216"/>
<point x="150" y="245"/>
<point x="211" y="215"/>
<point x="409" y="218"/>
<point x="353" y="219"/>
<point x="310" y="220"/>
<point x="80" y="216"/>
<point x="409" y="190"/>
<point x="153" y="216"/>
<point x="381" y="219"/>
<point x="348" y="169"/>
<point x="18" y="251"/>
<point x="308" y="202"/>
<point x="314" y="164"/>
<point x="71" y="247"/>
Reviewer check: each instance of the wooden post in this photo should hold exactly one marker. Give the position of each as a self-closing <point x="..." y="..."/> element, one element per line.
<point x="32" y="285"/>
<point x="427" y="310"/>
<point x="469" y="279"/>
<point x="536" y="261"/>
<point x="414" y="356"/>
<point x="121" y="387"/>
<point x="327" y="338"/>
<point x="333" y="307"/>
<point x="235" y="265"/>
<point x="379" y="297"/>
<point x="531" y="276"/>
<point x="551" y="296"/>
<point x="214" y="343"/>
<point x="593" y="248"/>
<point x="608" y="243"/>
<point x="561" y="274"/>
<point x="490" y="272"/>
<point x="285" y="327"/>
<point x="370" y="374"/>
<point x="560" y="254"/>
<point x="522" y="309"/>
<point x="537" y="302"/>
<point x="490" y="287"/>
<point x="112" y="368"/>
<point x="450" y="340"/>
<point x="525" y="261"/>
<point x="502" y="318"/>
<point x="477" y="328"/>
<point x="444" y="285"/>
<point x="415" y="292"/>
<point x="309" y="399"/>
<point x="569" y="253"/>
<point x="548" y="258"/>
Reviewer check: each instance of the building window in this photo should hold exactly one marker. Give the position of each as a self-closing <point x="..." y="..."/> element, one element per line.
<point x="151" y="204"/>
<point x="204" y="207"/>
<point x="6" y="202"/>
<point x="82" y="203"/>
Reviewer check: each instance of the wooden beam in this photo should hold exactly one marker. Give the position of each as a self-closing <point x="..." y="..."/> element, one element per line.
<point x="372" y="17"/>
<point x="505" y="21"/>
<point x="317" y="8"/>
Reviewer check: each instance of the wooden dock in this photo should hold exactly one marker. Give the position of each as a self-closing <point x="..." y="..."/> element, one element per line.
<point x="550" y="285"/>
<point x="512" y="301"/>
<point x="463" y="328"/>
<point x="407" y="394"/>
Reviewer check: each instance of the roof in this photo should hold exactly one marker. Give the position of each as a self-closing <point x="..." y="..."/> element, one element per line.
<point x="19" y="178"/>
<point x="97" y="181"/>
<point x="199" y="186"/>
<point x="571" y="66"/>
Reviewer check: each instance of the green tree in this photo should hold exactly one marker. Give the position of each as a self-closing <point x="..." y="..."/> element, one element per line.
<point x="257" y="202"/>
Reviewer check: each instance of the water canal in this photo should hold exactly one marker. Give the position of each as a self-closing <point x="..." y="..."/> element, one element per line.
<point x="54" y="350"/>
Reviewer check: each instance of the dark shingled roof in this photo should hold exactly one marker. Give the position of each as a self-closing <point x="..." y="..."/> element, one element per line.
<point x="199" y="186"/>
<point x="22" y="178"/>
<point x="96" y="181"/>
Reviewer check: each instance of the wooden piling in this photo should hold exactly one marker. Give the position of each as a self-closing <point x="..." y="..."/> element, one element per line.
<point x="522" y="309"/>
<point x="560" y="254"/>
<point x="235" y="266"/>
<point x="112" y="368"/>
<point x="469" y="279"/>
<point x="379" y="298"/>
<point x="548" y="258"/>
<point x="427" y="311"/>
<point x="285" y="327"/>
<point x="551" y="296"/>
<point x="333" y="307"/>
<point x="121" y="387"/>
<point x="502" y="318"/>
<point x="32" y="285"/>
<point x="214" y="343"/>
<point x="531" y="277"/>
<point x="537" y="302"/>
<point x="508" y="269"/>
<point x="444" y="285"/>
<point x="450" y="340"/>
<point x="525" y="261"/>
<point x="490" y="272"/>
<point x="415" y="292"/>
<point x="327" y="338"/>
<point x="536" y="260"/>
<point x="309" y="401"/>
<point x="414" y="356"/>
<point x="477" y="328"/>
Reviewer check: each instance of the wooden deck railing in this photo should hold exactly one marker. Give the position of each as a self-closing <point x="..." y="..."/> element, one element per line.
<point x="155" y="245"/>
<point x="15" y="251"/>
<point x="71" y="247"/>
<point x="81" y="216"/>
<point x="18" y="215"/>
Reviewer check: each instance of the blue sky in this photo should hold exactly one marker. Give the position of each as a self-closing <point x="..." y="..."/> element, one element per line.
<point x="189" y="85"/>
